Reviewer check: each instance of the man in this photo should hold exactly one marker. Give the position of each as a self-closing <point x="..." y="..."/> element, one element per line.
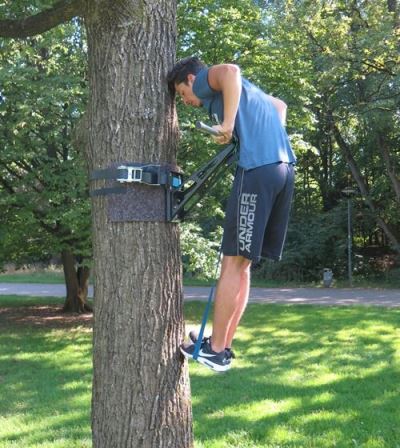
<point x="258" y="207"/>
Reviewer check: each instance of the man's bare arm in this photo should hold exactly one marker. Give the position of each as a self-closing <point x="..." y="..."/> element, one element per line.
<point x="226" y="78"/>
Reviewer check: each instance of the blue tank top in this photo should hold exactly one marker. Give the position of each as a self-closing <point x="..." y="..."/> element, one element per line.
<point x="262" y="137"/>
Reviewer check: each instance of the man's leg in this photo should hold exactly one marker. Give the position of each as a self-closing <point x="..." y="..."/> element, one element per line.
<point x="230" y="299"/>
<point x="242" y="299"/>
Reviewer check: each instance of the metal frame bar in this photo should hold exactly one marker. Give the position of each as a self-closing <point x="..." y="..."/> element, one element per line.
<point x="206" y="176"/>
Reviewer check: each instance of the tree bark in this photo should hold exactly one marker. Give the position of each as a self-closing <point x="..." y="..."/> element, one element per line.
<point x="141" y="395"/>
<point x="77" y="285"/>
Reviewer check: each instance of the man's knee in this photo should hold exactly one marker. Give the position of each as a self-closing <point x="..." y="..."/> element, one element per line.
<point x="237" y="263"/>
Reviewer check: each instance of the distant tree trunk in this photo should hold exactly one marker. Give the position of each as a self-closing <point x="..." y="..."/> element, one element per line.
<point x="363" y="188"/>
<point x="393" y="7"/>
<point x="389" y="165"/>
<point x="141" y="395"/>
<point x="77" y="284"/>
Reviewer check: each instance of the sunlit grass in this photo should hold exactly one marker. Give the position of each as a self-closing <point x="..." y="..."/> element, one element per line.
<point x="304" y="377"/>
<point x="41" y="276"/>
<point x="45" y="388"/>
<point x="55" y="276"/>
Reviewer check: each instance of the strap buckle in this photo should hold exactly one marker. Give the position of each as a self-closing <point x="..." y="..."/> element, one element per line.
<point x="134" y="174"/>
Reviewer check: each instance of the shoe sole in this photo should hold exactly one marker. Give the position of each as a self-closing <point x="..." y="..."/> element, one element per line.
<point x="214" y="367"/>
<point x="185" y="354"/>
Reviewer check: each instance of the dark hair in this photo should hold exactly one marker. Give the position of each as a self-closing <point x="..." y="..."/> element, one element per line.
<point x="179" y="73"/>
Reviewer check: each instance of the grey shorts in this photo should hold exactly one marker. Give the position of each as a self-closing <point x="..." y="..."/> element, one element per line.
<point x="257" y="213"/>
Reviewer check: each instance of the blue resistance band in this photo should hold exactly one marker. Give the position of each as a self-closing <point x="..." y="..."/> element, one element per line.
<point x="206" y="311"/>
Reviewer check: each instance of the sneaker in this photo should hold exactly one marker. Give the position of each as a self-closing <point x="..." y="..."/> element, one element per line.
<point x="230" y="353"/>
<point x="219" y="362"/>
<point x="193" y="336"/>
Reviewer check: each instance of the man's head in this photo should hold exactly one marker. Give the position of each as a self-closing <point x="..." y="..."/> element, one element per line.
<point x="181" y="79"/>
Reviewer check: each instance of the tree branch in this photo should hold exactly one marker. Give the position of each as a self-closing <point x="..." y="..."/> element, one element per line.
<point x="389" y="164"/>
<point x="61" y="12"/>
<point x="363" y="187"/>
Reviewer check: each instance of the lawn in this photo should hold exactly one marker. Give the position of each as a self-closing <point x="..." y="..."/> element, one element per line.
<point x="55" y="276"/>
<point x="42" y="276"/>
<point x="304" y="377"/>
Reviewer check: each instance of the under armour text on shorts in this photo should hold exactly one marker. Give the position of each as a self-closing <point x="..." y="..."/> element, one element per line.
<point x="257" y="213"/>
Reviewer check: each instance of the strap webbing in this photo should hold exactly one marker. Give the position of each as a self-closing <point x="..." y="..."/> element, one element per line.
<point x="168" y="175"/>
<point x="207" y="310"/>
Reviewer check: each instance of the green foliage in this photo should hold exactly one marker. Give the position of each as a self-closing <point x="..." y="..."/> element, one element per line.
<point x="219" y="31"/>
<point x="336" y="64"/>
<point x="313" y="243"/>
<point x="352" y="60"/>
<point x="44" y="193"/>
<point x="200" y="254"/>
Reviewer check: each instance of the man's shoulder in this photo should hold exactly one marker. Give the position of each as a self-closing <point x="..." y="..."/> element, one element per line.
<point x="201" y="86"/>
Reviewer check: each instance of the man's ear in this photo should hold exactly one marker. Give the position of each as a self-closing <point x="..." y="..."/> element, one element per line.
<point x="191" y="78"/>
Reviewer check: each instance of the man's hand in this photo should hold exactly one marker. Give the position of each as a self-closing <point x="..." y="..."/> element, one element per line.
<point x="225" y="134"/>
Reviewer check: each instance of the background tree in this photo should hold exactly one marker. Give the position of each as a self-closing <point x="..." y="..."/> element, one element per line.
<point x="352" y="48"/>
<point x="336" y="65"/>
<point x="140" y="389"/>
<point x="44" y="192"/>
<point x="327" y="61"/>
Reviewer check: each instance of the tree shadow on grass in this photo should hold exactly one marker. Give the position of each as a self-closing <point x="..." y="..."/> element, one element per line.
<point x="43" y="315"/>
<point x="305" y="377"/>
<point x="342" y="418"/>
<point x="45" y="385"/>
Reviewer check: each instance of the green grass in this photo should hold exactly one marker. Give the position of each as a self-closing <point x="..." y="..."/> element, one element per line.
<point x="45" y="277"/>
<point x="55" y="277"/>
<point x="17" y="301"/>
<point x="305" y="377"/>
<point x="257" y="283"/>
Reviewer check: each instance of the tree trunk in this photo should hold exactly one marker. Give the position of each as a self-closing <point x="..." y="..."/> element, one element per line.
<point x="77" y="285"/>
<point x="389" y="165"/>
<point x="363" y="188"/>
<point x="141" y="395"/>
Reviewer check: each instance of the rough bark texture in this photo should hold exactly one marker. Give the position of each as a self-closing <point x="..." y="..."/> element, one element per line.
<point x="141" y="395"/>
<point x="77" y="284"/>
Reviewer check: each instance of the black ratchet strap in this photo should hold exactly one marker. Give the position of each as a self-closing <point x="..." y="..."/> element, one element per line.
<point x="134" y="173"/>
